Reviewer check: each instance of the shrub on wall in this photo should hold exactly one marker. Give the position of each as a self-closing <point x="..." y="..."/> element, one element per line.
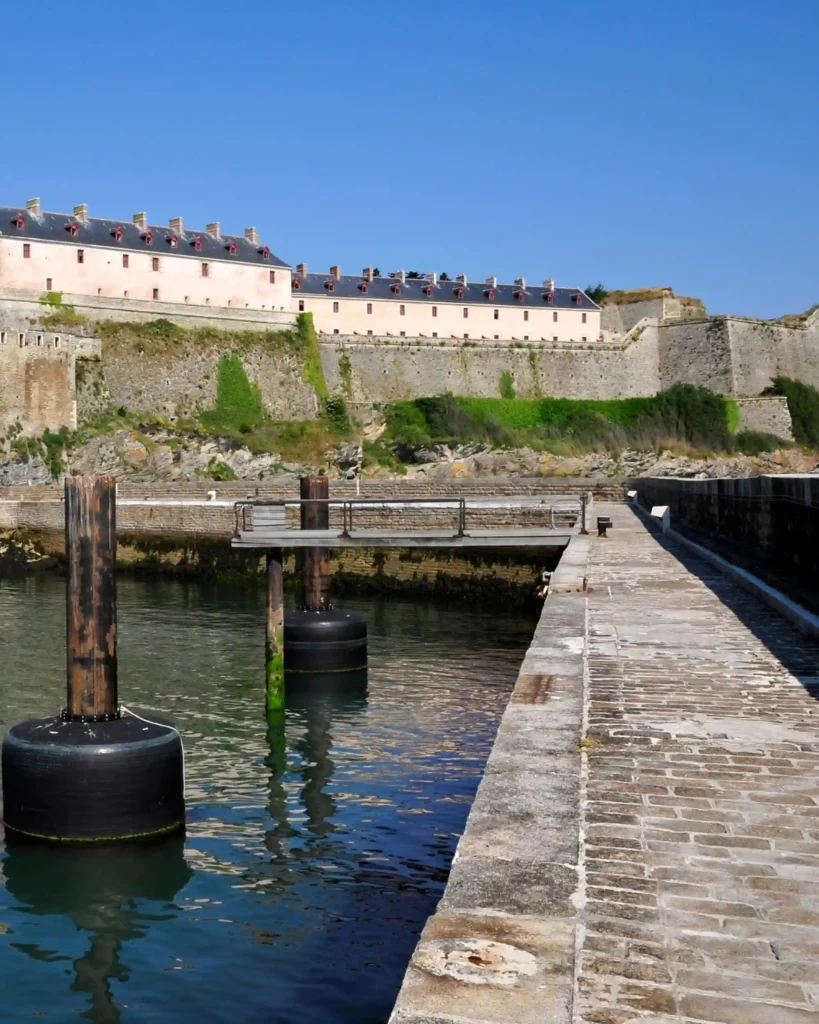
<point x="803" y="405"/>
<point x="238" y="402"/>
<point x="507" y="384"/>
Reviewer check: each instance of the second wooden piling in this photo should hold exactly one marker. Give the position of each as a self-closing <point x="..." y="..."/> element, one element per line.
<point x="274" y="640"/>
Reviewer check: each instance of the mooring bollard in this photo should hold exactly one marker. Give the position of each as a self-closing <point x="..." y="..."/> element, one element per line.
<point x="318" y="639"/>
<point x="94" y="772"/>
<point x="274" y="645"/>
<point x="315" y="515"/>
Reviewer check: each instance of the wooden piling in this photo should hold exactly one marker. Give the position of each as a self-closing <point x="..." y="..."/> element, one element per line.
<point x="274" y="637"/>
<point x="91" y="596"/>
<point x="315" y="515"/>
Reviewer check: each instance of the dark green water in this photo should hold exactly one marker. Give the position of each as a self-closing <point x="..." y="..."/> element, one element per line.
<point x="316" y="847"/>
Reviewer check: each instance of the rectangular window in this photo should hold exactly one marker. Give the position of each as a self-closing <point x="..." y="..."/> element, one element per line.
<point x="126" y="261"/>
<point x="584" y="338"/>
<point x="301" y="305"/>
<point x="80" y="255"/>
<point x="434" y="334"/>
<point x="335" y="330"/>
<point x="272" y="277"/>
<point x="554" y="338"/>
<point x="56" y="341"/>
<point x="525" y="337"/>
<point x="369" y="308"/>
<point x="526" y="314"/>
<point x="554" y="317"/>
<point x="466" y="313"/>
<point x="497" y="314"/>
<point x="49" y="284"/>
<point x="403" y="334"/>
<point x="156" y="293"/>
<point x="497" y="336"/>
<point x="584" y="318"/>
<point x="369" y="332"/>
<point x="205" y="269"/>
<point x="26" y="250"/>
<point x="402" y="310"/>
<point x="154" y="263"/>
<point x="2" y="337"/>
<point x="335" y="307"/>
<point x="435" y="311"/>
<point x="21" y="340"/>
<point x="39" y="340"/>
<point x="466" y="335"/>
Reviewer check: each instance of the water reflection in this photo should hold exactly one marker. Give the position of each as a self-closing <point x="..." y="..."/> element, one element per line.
<point x="103" y="891"/>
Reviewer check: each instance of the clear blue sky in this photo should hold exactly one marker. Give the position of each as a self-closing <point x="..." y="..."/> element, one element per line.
<point x="637" y="142"/>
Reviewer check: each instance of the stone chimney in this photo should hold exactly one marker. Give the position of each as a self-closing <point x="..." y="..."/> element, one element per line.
<point x="141" y="221"/>
<point x="368" y="272"/>
<point x="301" y="269"/>
<point x="521" y="283"/>
<point x="335" y="272"/>
<point x="400" y="275"/>
<point x="252" y="235"/>
<point x="214" y="229"/>
<point x="175" y="224"/>
<point x="33" y="206"/>
<point x="492" y="282"/>
<point x="432" y="277"/>
<point x="549" y="284"/>
<point x="461" y="279"/>
<point x="81" y="212"/>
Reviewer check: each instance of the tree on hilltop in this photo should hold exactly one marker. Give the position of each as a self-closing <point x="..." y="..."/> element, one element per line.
<point x="444" y="276"/>
<point x="596" y="292"/>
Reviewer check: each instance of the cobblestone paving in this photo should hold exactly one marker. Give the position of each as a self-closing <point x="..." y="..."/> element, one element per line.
<point x="700" y="864"/>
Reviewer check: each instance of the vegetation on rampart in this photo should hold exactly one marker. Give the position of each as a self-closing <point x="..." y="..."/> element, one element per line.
<point x="62" y="316"/>
<point x="684" y="413"/>
<point x="803" y="405"/>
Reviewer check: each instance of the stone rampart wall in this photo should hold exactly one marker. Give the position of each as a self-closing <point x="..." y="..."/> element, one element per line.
<point x="766" y="415"/>
<point x="382" y="370"/>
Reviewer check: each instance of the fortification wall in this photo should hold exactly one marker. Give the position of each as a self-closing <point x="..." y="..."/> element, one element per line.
<point x="381" y="370"/>
<point x="181" y="381"/>
<point x="20" y="307"/>
<point x="696" y="352"/>
<point x="766" y="415"/>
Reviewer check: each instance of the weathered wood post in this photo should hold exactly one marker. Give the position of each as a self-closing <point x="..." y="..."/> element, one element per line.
<point x="315" y="515"/>
<point x="274" y="643"/>
<point x="91" y="596"/>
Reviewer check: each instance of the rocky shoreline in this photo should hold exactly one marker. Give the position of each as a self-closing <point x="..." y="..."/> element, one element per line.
<point x="160" y="456"/>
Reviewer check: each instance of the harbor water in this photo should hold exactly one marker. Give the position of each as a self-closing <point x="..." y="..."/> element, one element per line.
<point x="317" y="843"/>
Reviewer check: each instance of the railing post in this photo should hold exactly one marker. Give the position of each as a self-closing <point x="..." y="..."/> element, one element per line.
<point x="583" y="529"/>
<point x="91" y="596"/>
<point x="274" y="634"/>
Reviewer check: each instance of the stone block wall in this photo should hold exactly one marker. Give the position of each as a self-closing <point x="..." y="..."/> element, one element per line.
<point x="766" y="415"/>
<point x="767" y="524"/>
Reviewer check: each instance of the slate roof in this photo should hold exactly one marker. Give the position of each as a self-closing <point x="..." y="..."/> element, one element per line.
<point x="96" y="231"/>
<point x="349" y="286"/>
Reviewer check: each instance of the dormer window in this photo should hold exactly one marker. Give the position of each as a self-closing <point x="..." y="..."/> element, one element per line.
<point x="364" y="286"/>
<point x="147" y="237"/>
<point x="395" y="288"/>
<point x="549" y="297"/>
<point x="19" y="221"/>
<point x="264" y="252"/>
<point x="231" y="248"/>
<point x="73" y="229"/>
<point x="577" y="298"/>
<point x="489" y="293"/>
<point x="296" y="284"/>
<point x="116" y="234"/>
<point x="330" y="285"/>
<point x="520" y="295"/>
<point x="459" y="292"/>
<point x="428" y="289"/>
<point x="197" y="244"/>
<point x="173" y="241"/>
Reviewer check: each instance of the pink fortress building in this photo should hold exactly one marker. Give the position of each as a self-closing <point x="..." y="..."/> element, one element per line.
<point x="428" y="307"/>
<point x="119" y="268"/>
<point x="89" y="256"/>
